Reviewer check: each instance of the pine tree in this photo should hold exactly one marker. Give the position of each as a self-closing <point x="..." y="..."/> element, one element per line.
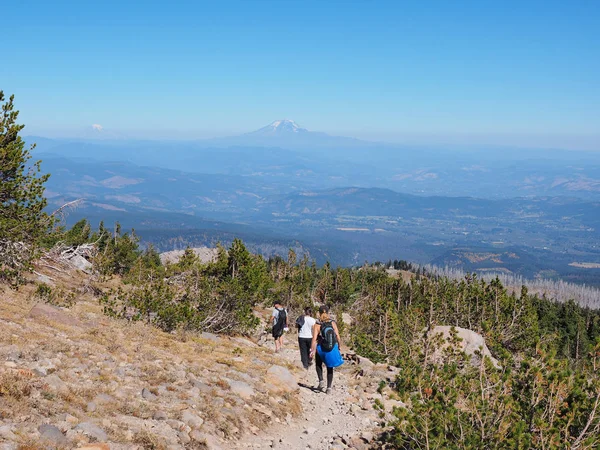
<point x="22" y="218"/>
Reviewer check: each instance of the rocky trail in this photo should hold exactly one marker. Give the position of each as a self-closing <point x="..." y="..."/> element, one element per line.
<point x="344" y="419"/>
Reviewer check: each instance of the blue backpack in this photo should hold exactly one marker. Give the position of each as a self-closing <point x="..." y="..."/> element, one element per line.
<point x="328" y="338"/>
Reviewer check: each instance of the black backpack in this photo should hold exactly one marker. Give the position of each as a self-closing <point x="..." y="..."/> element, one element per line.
<point x="300" y="322"/>
<point x="281" y="319"/>
<point x="328" y="338"/>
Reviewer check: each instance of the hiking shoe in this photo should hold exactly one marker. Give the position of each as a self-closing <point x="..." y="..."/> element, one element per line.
<point x="320" y="386"/>
<point x="328" y="391"/>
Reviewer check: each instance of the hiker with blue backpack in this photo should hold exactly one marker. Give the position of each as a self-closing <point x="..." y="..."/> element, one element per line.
<point x="325" y="347"/>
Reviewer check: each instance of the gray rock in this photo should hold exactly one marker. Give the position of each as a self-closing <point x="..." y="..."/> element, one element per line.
<point x="13" y="353"/>
<point x="390" y="404"/>
<point x="176" y="424"/>
<point x="79" y="262"/>
<point x="56" y="384"/>
<point x="91" y="407"/>
<point x="52" y="434"/>
<point x="347" y="319"/>
<point x="365" y="362"/>
<point x="148" y="395"/>
<point x="92" y="430"/>
<point x="191" y="418"/>
<point x="54" y="314"/>
<point x="197" y="436"/>
<point x="243" y="341"/>
<point x="210" y="336"/>
<point x="7" y="432"/>
<point x="281" y="379"/>
<point x="184" y="437"/>
<point x="367" y="436"/>
<point x="244" y="390"/>
<point x="45" y="279"/>
<point x="209" y="441"/>
<point x="103" y="399"/>
<point x="9" y="446"/>
<point x="160" y="415"/>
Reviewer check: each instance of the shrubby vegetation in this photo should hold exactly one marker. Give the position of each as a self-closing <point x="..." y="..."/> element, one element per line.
<point x="216" y="296"/>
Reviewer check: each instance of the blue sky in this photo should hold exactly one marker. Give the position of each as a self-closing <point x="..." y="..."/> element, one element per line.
<point x="471" y="71"/>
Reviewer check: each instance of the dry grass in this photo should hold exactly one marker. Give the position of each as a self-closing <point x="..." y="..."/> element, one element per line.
<point x="14" y="385"/>
<point x="148" y="440"/>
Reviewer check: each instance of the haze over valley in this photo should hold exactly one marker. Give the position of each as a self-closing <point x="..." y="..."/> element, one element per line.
<point x="530" y="212"/>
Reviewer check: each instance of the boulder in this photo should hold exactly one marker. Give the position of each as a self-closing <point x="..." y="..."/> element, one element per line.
<point x="390" y="404"/>
<point x="210" y="442"/>
<point x="54" y="383"/>
<point x="50" y="433"/>
<point x="44" y="279"/>
<point x="243" y="341"/>
<point x="191" y="418"/>
<point x="471" y="343"/>
<point x="210" y="336"/>
<point x="160" y="415"/>
<point x="9" y="446"/>
<point x="103" y="399"/>
<point x="92" y="430"/>
<point x="281" y="379"/>
<point x="365" y="362"/>
<point x="147" y="395"/>
<point x="53" y="313"/>
<point x="184" y="437"/>
<point x="13" y="353"/>
<point x="79" y="262"/>
<point x="7" y="432"/>
<point x="242" y="389"/>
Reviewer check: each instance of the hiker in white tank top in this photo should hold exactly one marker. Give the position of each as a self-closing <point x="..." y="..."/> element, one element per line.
<point x="305" y="336"/>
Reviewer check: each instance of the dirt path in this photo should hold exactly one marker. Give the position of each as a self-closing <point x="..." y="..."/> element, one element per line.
<point x="341" y="420"/>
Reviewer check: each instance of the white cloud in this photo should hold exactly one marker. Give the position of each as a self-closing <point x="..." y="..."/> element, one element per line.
<point x="97" y="127"/>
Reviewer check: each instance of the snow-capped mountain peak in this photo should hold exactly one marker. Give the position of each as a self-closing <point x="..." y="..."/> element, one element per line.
<point x="284" y="126"/>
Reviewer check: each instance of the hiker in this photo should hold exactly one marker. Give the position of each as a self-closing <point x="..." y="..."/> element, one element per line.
<point x="325" y="347"/>
<point x="280" y="323"/>
<point x="305" y="324"/>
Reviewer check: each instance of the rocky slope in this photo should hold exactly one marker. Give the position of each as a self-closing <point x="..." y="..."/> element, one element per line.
<point x="74" y="378"/>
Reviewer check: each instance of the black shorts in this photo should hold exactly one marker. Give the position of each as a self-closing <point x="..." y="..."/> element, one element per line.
<point x="277" y="333"/>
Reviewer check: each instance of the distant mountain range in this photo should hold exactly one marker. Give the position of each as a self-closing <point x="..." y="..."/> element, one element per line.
<point x="286" y="133"/>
